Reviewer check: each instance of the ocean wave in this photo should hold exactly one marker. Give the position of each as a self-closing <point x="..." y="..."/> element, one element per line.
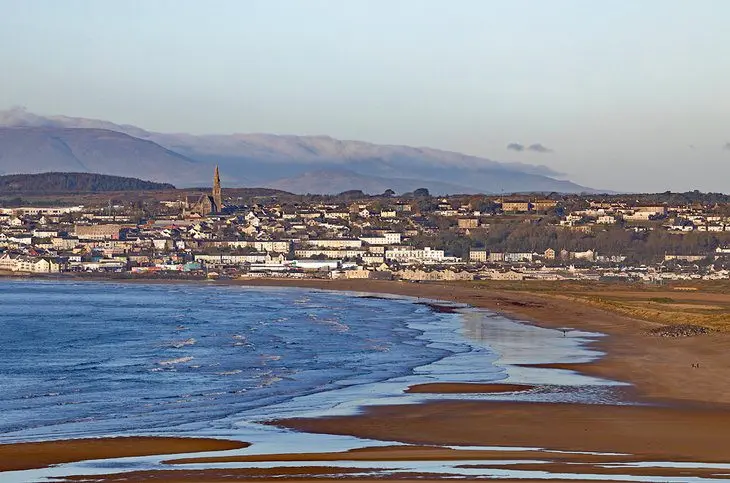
<point x="241" y="340"/>
<point x="46" y="394"/>
<point x="269" y="380"/>
<point x="336" y="324"/>
<point x="229" y="373"/>
<point x="380" y="348"/>
<point x="177" y="360"/>
<point x="182" y="343"/>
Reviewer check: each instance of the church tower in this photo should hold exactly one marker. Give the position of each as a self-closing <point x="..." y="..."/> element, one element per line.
<point x="217" y="195"/>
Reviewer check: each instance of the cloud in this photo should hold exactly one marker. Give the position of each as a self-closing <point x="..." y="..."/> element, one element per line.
<point x="539" y="148"/>
<point x="19" y="116"/>
<point x="535" y="148"/>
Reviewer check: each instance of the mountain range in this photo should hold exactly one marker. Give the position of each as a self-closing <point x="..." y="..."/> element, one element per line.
<point x="31" y="143"/>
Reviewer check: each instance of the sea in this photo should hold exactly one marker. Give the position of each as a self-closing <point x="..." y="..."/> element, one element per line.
<point x="92" y="359"/>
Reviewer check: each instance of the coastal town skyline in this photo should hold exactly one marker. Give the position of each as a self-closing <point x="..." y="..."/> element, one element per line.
<point x="411" y="236"/>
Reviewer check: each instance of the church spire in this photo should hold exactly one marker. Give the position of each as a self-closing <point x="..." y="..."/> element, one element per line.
<point x="217" y="195"/>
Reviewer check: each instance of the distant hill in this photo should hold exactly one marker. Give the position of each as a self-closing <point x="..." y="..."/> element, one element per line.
<point x="294" y="163"/>
<point x="74" y="183"/>
<point x="26" y="150"/>
<point x="334" y="181"/>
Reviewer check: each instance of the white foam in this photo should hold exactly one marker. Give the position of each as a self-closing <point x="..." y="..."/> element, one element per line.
<point x="178" y="360"/>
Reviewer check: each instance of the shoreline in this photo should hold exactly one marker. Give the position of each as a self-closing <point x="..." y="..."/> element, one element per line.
<point x="659" y="369"/>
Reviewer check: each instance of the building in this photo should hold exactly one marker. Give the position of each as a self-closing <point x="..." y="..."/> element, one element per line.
<point x="495" y="257"/>
<point x="516" y="206"/>
<point x="335" y="243"/>
<point x="334" y="253"/>
<point x="98" y="232"/>
<point x="217" y="192"/>
<point x="515" y="257"/>
<point x="544" y="205"/>
<point x="478" y="255"/>
<point x="389" y="238"/>
<point x="35" y="211"/>
<point x="508" y="275"/>
<point x="435" y="275"/>
<point x="277" y="246"/>
<point x="22" y="263"/>
<point x="204" y="204"/>
<point x="589" y="255"/>
<point x="466" y="223"/>
<point x="659" y="210"/>
<point x="606" y="220"/>
<point x="639" y="216"/>
<point x="417" y="255"/>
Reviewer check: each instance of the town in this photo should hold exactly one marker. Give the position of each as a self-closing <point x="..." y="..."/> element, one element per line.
<point x="412" y="237"/>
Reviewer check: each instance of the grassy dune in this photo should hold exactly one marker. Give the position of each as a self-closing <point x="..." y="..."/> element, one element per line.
<point x="705" y="304"/>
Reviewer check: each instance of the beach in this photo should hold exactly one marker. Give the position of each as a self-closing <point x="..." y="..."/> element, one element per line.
<point x="676" y="411"/>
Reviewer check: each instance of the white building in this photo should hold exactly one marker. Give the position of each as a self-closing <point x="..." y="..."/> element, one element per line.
<point x="384" y="239"/>
<point x="261" y="245"/>
<point x="518" y="257"/>
<point x="606" y="220"/>
<point x="336" y="243"/>
<point x="416" y="255"/>
<point x="51" y="210"/>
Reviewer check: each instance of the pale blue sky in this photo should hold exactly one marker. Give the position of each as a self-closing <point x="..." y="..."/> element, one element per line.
<point x="619" y="90"/>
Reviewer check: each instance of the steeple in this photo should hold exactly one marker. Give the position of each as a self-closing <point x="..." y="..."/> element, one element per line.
<point x="217" y="195"/>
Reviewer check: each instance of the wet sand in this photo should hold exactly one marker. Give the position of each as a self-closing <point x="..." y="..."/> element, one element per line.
<point x="353" y="475"/>
<point x="25" y="456"/>
<point x="466" y="388"/>
<point x="550" y="461"/>
<point x="658" y="433"/>
<point x="211" y="476"/>
<point x="681" y="384"/>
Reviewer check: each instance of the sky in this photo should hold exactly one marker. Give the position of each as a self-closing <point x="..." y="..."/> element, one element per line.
<point x="629" y="95"/>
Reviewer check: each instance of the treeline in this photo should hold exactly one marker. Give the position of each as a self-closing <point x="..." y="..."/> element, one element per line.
<point x="74" y="183"/>
<point x="670" y="198"/>
<point x="489" y="203"/>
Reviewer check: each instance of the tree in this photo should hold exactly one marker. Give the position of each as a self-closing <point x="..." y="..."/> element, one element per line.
<point x="421" y="192"/>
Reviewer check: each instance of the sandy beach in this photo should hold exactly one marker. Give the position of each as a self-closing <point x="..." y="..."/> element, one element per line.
<point x="680" y="385"/>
